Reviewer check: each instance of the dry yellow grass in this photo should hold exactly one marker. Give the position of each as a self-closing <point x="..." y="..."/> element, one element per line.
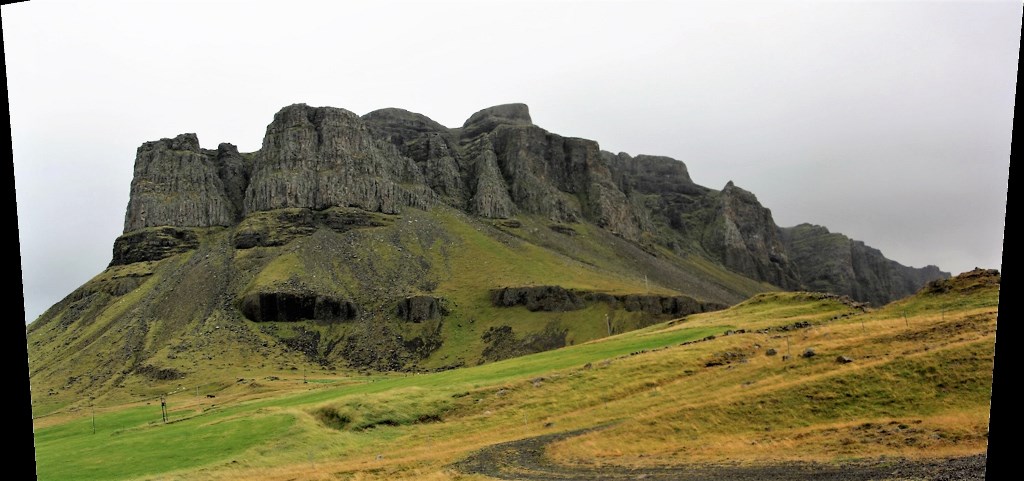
<point x="918" y="386"/>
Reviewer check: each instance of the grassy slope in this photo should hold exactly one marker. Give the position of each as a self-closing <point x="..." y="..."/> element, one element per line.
<point x="918" y="386"/>
<point x="182" y="316"/>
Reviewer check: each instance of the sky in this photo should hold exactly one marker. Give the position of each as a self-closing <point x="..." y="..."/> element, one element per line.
<point x="889" y="122"/>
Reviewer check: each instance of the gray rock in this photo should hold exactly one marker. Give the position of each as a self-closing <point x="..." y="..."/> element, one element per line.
<point x="402" y="125"/>
<point x="296" y="306"/>
<point x="563" y="229"/>
<point x="497" y="165"/>
<point x="234" y="170"/>
<point x="177" y="183"/>
<point x="488" y="119"/>
<point x="430" y="145"/>
<point x="538" y="298"/>
<point x="746" y="239"/>
<point x="490" y="193"/>
<point x="153" y="244"/>
<point x="832" y="262"/>
<point x="808" y="353"/>
<point x="280" y="227"/>
<point x="323" y="157"/>
<point x="420" y="308"/>
<point x="843" y="360"/>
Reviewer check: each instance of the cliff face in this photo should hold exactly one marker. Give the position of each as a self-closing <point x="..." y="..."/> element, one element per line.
<point x="497" y="165"/>
<point x="387" y="241"/>
<point x="324" y="157"/>
<point x="746" y="239"/>
<point x="178" y="184"/>
<point x="832" y="262"/>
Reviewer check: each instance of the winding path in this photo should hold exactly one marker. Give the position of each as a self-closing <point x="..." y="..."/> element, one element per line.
<point x="524" y="460"/>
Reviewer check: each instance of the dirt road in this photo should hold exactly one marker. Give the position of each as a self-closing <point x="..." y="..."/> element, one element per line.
<point x="524" y="460"/>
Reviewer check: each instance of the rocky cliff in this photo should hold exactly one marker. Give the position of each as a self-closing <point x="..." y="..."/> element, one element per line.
<point x="745" y="237"/>
<point x="835" y="263"/>
<point x="392" y="242"/>
<point x="177" y="183"/>
<point x="497" y="165"/>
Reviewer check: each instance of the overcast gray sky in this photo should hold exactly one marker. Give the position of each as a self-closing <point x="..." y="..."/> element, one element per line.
<point x="887" y="121"/>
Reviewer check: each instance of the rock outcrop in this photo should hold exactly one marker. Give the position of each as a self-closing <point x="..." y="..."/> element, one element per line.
<point x="498" y="165"/>
<point x="279" y="227"/>
<point x="291" y="307"/>
<point x="177" y="183"/>
<point x="490" y="118"/>
<point x="539" y="298"/>
<point x="560" y="299"/>
<point x="832" y="262"/>
<point x="745" y="238"/>
<point x="966" y="282"/>
<point x="420" y="308"/>
<point x="153" y="244"/>
<point x="432" y="146"/>
<point x="386" y="242"/>
<point x="326" y="157"/>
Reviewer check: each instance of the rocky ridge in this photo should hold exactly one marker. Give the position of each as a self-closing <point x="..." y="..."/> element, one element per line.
<point x="832" y="262"/>
<point x="497" y="165"/>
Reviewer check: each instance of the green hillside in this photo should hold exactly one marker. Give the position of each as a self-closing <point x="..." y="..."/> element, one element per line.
<point x="910" y="381"/>
<point x="146" y="327"/>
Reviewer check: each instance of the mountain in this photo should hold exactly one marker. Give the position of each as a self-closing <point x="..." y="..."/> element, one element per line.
<point x="391" y="242"/>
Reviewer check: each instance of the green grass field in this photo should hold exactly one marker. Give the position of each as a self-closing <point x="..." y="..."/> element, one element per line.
<point x="918" y="386"/>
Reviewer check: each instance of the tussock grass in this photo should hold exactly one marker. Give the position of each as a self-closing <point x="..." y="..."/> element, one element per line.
<point x="918" y="386"/>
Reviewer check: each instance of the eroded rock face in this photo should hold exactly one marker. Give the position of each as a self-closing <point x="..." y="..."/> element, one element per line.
<point x="291" y="307"/>
<point x="652" y="174"/>
<point x="560" y="299"/>
<point x="746" y="239"/>
<point x="233" y="170"/>
<point x="281" y="226"/>
<point x="178" y="184"/>
<point x="565" y="179"/>
<point x="490" y="118"/>
<point x="153" y="244"/>
<point x="490" y="192"/>
<point x="432" y="146"/>
<point x="976" y="278"/>
<point x="832" y="262"/>
<point x="666" y="305"/>
<point x="539" y="298"/>
<point x="324" y="157"/>
<point x="503" y="343"/>
<point x="497" y="165"/>
<point x="420" y="308"/>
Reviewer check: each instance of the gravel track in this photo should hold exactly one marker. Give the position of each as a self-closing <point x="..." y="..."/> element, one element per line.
<point x="524" y="460"/>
